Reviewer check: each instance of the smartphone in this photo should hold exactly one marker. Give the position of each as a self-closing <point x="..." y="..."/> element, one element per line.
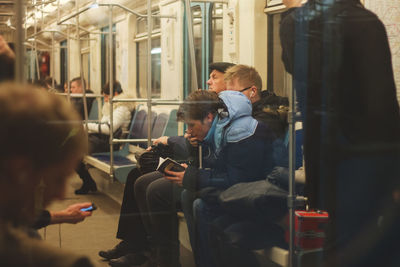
<point x="90" y="208"/>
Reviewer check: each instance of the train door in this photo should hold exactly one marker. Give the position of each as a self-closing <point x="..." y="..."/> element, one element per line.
<point x="85" y="57"/>
<point x="207" y="31"/>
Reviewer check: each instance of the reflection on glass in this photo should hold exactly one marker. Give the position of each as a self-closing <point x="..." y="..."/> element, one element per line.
<point x="276" y="70"/>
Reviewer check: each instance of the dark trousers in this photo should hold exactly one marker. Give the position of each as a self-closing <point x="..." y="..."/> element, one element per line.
<point x="130" y="225"/>
<point x="148" y="216"/>
<point x="97" y="143"/>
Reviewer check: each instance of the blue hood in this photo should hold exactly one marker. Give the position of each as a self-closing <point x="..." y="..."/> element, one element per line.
<point x="237" y="103"/>
<point x="239" y="124"/>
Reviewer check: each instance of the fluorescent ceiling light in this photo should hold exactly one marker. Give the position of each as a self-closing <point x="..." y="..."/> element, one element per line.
<point x="156" y="50"/>
<point x="62" y="2"/>
<point x="49" y="8"/>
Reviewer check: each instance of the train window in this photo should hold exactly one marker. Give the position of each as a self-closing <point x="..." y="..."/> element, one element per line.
<point x="85" y="57"/>
<point x="63" y="62"/>
<point x="141" y="25"/>
<point x="207" y="30"/>
<point x="279" y="80"/>
<point x="31" y="66"/>
<point x="198" y="46"/>
<point x="216" y="33"/>
<point x="141" y="67"/>
<point x="141" y="57"/>
<point x="105" y="66"/>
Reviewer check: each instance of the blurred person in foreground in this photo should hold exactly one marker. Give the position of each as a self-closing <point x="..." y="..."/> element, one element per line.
<point x="71" y="214"/>
<point x="42" y="142"/>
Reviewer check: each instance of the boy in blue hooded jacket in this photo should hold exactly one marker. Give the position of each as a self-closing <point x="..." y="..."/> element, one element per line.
<point x="239" y="150"/>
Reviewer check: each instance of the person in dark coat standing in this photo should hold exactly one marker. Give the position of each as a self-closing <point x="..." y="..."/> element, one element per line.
<point x="339" y="56"/>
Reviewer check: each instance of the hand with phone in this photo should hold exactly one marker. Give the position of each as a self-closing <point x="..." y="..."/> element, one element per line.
<point x="73" y="214"/>
<point x="90" y="208"/>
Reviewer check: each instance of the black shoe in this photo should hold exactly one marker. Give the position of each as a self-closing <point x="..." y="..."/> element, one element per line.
<point x="86" y="189"/>
<point x="129" y="260"/>
<point x="121" y="249"/>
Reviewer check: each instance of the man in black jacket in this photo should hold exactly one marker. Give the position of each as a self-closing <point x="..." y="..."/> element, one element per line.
<point x="77" y="87"/>
<point x="339" y="56"/>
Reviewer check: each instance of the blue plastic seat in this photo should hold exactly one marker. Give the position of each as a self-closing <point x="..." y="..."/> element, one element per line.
<point x="166" y="119"/>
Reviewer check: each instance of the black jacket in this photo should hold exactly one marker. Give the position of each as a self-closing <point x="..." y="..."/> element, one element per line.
<point x="340" y="60"/>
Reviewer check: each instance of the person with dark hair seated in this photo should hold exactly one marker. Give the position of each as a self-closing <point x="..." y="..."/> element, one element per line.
<point x="77" y="86"/>
<point x="99" y="132"/>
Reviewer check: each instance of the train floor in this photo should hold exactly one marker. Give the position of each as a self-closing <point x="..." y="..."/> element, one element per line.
<point x="97" y="232"/>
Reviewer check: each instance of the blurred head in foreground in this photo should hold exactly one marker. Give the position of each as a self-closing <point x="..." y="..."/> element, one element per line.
<point x="41" y="142"/>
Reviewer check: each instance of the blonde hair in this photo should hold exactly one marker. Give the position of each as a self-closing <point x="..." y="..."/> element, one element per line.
<point x="37" y="125"/>
<point x="246" y="75"/>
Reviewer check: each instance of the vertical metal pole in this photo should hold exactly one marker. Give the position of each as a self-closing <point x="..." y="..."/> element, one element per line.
<point x="52" y="61"/>
<point x="292" y="166"/>
<point x="83" y="83"/>
<point x="35" y="48"/>
<point x="200" y="157"/>
<point x="111" y="84"/>
<point x="58" y="11"/>
<point x="189" y="21"/>
<point x="149" y="76"/>
<point x="68" y="63"/>
<point x="19" y="42"/>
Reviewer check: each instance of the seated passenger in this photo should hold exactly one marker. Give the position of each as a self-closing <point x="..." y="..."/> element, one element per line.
<point x="265" y="104"/>
<point x="242" y="153"/>
<point x="181" y="149"/>
<point x="99" y="133"/>
<point x="157" y="197"/>
<point x="243" y="79"/>
<point x="41" y="142"/>
<point x="78" y="102"/>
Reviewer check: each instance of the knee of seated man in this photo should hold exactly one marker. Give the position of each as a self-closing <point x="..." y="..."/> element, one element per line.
<point x="160" y="191"/>
<point x="143" y="181"/>
<point x="200" y="208"/>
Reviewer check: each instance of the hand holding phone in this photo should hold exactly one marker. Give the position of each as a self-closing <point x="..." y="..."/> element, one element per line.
<point x="90" y="208"/>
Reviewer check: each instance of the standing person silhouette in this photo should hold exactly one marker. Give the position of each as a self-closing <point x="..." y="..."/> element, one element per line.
<point x="339" y="56"/>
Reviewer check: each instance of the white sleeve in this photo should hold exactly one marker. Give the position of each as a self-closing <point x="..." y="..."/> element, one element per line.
<point x="94" y="127"/>
<point x="121" y="115"/>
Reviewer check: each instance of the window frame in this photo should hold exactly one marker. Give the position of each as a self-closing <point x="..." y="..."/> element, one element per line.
<point x="275" y="7"/>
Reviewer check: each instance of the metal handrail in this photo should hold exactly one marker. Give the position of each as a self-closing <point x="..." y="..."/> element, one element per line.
<point x="117" y="5"/>
<point x="19" y="48"/>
